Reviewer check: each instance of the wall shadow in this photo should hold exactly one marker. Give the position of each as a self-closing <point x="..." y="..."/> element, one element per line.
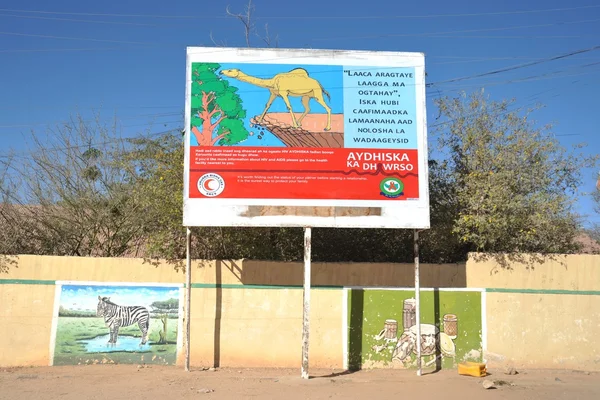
<point x="335" y="374"/>
<point x="256" y="272"/>
<point x="439" y="324"/>
<point x="234" y="269"/>
<point x="355" y="329"/>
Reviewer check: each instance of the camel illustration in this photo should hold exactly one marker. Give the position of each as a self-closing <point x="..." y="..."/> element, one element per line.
<point x="295" y="83"/>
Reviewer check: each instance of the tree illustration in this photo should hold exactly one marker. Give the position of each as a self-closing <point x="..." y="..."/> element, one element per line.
<point x="162" y="310"/>
<point x="217" y="113"/>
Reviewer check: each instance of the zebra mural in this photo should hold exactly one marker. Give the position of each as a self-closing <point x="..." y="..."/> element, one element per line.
<point x="116" y="316"/>
<point x="89" y="328"/>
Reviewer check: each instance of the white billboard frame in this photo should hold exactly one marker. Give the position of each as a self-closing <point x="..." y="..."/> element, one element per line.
<point x="401" y="214"/>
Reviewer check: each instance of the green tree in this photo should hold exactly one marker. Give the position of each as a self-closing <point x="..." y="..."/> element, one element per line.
<point x="164" y="310"/>
<point x="514" y="185"/>
<point x="155" y="166"/>
<point x="594" y="230"/>
<point x="217" y="113"/>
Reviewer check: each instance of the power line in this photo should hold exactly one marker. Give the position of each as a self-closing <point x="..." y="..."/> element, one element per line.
<point x="461" y="31"/>
<point x="90" y="21"/>
<point x="487" y="59"/>
<point x="519" y="66"/>
<point x="111" y="141"/>
<point x="63" y="49"/>
<point x="545" y="76"/>
<point x="531" y="78"/>
<point x="549" y="75"/>
<point x="512" y="109"/>
<point x="150" y="45"/>
<point x="539" y="61"/>
<point x="313" y="17"/>
<point x="110" y="107"/>
<point x="509" y="82"/>
<point x="159" y="115"/>
<point x="426" y="34"/>
<point x="76" y="38"/>
<point x="511" y="36"/>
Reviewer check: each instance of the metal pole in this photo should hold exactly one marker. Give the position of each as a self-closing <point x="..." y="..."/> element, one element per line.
<point x="188" y="302"/>
<point x="417" y="301"/>
<point x="306" y="307"/>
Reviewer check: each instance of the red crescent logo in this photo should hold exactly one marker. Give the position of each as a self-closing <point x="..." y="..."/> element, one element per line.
<point x="206" y="185"/>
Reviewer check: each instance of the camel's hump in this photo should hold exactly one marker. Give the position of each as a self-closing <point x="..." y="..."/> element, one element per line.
<point x="299" y="70"/>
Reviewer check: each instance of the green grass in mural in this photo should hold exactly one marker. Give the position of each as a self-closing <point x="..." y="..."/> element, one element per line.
<point x="71" y="331"/>
<point x="369" y="309"/>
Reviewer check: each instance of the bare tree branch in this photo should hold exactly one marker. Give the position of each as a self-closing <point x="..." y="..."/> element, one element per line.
<point x="246" y="19"/>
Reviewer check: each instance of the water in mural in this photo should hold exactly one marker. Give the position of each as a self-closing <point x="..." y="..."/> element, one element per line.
<point x="383" y="328"/>
<point x="116" y="324"/>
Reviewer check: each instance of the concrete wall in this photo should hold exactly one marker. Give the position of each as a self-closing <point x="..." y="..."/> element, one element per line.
<point x="541" y="312"/>
<point x="536" y="312"/>
<point x="244" y="313"/>
<point x="28" y="299"/>
<point x="259" y="324"/>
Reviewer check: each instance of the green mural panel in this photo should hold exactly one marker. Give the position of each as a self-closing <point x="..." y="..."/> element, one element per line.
<point x="382" y="328"/>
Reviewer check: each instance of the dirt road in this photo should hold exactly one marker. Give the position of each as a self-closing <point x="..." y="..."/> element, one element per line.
<point x="117" y="382"/>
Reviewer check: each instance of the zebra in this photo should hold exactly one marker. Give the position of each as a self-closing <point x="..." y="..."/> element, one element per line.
<point x="116" y="316"/>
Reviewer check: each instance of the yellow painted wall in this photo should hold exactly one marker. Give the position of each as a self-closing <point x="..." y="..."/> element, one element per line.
<point x="25" y="324"/>
<point x="557" y="326"/>
<point x="541" y="313"/>
<point x="543" y="331"/>
<point x="263" y="327"/>
<point x="566" y="272"/>
<point x="91" y="269"/>
<point x="255" y="327"/>
<point x="26" y="309"/>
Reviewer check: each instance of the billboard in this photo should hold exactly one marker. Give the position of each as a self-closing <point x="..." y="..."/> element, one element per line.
<point x="320" y="138"/>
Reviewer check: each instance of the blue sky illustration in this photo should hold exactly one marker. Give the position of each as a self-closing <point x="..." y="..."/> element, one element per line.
<point x="255" y="98"/>
<point x="80" y="297"/>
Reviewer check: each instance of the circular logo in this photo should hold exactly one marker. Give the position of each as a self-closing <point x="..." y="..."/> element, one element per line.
<point x="211" y="185"/>
<point x="391" y="187"/>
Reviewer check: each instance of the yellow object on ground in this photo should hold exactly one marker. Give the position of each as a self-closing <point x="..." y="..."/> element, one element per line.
<point x="472" y="369"/>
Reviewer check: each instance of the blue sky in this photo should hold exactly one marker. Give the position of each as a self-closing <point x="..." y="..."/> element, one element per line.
<point x="76" y="297"/>
<point x="53" y="64"/>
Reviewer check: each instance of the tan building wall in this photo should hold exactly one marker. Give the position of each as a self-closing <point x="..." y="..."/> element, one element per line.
<point x="27" y="295"/>
<point x="25" y="324"/>
<point x="234" y="321"/>
<point x="263" y="327"/>
<point x="565" y="272"/>
<point x="541" y="313"/>
<point x="248" y="313"/>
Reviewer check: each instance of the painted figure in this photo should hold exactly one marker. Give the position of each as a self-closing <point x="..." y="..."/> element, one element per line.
<point x="434" y="344"/>
<point x="116" y="316"/>
<point x="295" y="83"/>
<point x="432" y="341"/>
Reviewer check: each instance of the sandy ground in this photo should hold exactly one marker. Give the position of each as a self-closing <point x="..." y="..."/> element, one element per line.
<point x="155" y="382"/>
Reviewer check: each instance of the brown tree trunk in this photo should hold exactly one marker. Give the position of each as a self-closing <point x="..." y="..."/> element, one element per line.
<point x="205" y="136"/>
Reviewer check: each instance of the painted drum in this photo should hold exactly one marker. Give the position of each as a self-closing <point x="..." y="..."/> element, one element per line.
<point x="447" y="346"/>
<point x="429" y="335"/>
<point x="451" y="325"/>
<point x="409" y="314"/>
<point x="391" y="328"/>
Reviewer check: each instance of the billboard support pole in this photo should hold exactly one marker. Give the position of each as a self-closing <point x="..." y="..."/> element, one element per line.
<point x="306" y="298"/>
<point x="188" y="302"/>
<point x="417" y="300"/>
